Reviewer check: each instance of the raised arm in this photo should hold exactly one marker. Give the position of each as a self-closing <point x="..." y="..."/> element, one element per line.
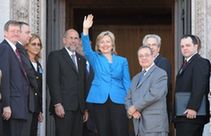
<point x="87" y="23"/>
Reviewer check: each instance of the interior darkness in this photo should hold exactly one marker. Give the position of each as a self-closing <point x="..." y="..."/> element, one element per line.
<point x="124" y="16"/>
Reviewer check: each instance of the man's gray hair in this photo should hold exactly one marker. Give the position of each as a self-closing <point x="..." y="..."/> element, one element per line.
<point x="146" y="37"/>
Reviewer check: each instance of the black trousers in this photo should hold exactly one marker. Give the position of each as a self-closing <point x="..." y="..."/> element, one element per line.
<point x="17" y="127"/>
<point x="1" y="120"/>
<point x="89" y="127"/>
<point x="34" y="124"/>
<point x="111" y="119"/>
<point x="70" y="125"/>
<point x="189" y="129"/>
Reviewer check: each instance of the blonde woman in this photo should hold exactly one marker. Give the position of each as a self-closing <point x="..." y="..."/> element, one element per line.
<point x="34" y="49"/>
<point x="110" y="84"/>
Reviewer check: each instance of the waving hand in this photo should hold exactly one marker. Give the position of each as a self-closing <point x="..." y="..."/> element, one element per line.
<point x="87" y="23"/>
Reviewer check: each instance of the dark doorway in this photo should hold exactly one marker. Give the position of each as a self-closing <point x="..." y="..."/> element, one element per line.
<point x="129" y="20"/>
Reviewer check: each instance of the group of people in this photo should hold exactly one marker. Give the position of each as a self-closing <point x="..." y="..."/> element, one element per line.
<point x="21" y="80"/>
<point x="91" y="91"/>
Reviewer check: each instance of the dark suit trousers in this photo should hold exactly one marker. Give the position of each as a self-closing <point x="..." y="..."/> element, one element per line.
<point x="189" y="129"/>
<point x="1" y="120"/>
<point x="89" y="128"/>
<point x="111" y="119"/>
<point x="70" y="125"/>
<point x="17" y="127"/>
<point x="34" y="124"/>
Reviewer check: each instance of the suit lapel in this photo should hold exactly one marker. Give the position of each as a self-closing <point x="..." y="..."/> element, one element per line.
<point x="17" y="60"/>
<point x="157" y="60"/>
<point x="189" y="62"/>
<point x="148" y="73"/>
<point x="69" y="60"/>
<point x="79" y="62"/>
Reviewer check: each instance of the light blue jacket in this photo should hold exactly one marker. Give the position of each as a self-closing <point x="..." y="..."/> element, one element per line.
<point x="110" y="79"/>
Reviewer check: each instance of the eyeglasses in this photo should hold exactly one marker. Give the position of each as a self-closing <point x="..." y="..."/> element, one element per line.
<point x="33" y="44"/>
<point x="144" y="56"/>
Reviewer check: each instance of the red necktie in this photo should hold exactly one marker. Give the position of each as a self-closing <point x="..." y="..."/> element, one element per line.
<point x="18" y="55"/>
<point x="184" y="65"/>
<point x="21" y="63"/>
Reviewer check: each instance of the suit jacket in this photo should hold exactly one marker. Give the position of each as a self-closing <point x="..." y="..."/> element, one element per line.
<point x="164" y="64"/>
<point x="89" y="79"/>
<point x="0" y="87"/>
<point x="194" y="79"/>
<point x="66" y="84"/>
<point x="110" y="79"/>
<point x="31" y="75"/>
<point x="15" y="86"/>
<point x="1" y="120"/>
<point x="149" y="97"/>
<point x="38" y="98"/>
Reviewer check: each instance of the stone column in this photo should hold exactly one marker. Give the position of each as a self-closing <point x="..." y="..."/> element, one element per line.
<point x="201" y="20"/>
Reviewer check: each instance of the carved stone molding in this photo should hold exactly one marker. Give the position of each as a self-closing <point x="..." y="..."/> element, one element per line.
<point x="28" y="11"/>
<point x="35" y="13"/>
<point x="20" y="10"/>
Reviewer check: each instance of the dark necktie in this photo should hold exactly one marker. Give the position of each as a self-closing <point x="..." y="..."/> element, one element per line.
<point x="184" y="65"/>
<point x="20" y="60"/>
<point x="18" y="55"/>
<point x="73" y="57"/>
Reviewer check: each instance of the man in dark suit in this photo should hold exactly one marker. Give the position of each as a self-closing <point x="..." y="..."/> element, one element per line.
<point x="15" y="85"/>
<point x="192" y="78"/>
<point x="1" y="126"/>
<point x="66" y="71"/>
<point x="34" y="107"/>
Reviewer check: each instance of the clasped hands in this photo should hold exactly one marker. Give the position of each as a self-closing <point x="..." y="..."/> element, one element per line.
<point x="133" y="112"/>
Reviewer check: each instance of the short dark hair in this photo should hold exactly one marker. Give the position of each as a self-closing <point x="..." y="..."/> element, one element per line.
<point x="10" y="22"/>
<point x="195" y="40"/>
<point x="145" y="47"/>
<point x="21" y="23"/>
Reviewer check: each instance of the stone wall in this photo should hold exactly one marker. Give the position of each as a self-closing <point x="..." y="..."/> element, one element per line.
<point x="201" y="20"/>
<point x="5" y="16"/>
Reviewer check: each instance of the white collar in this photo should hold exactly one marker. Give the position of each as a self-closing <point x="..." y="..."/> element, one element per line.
<point x="147" y="69"/>
<point x="70" y="52"/>
<point x="11" y="44"/>
<point x="190" y="57"/>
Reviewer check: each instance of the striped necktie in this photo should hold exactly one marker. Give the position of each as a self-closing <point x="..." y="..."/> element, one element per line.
<point x="73" y="57"/>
